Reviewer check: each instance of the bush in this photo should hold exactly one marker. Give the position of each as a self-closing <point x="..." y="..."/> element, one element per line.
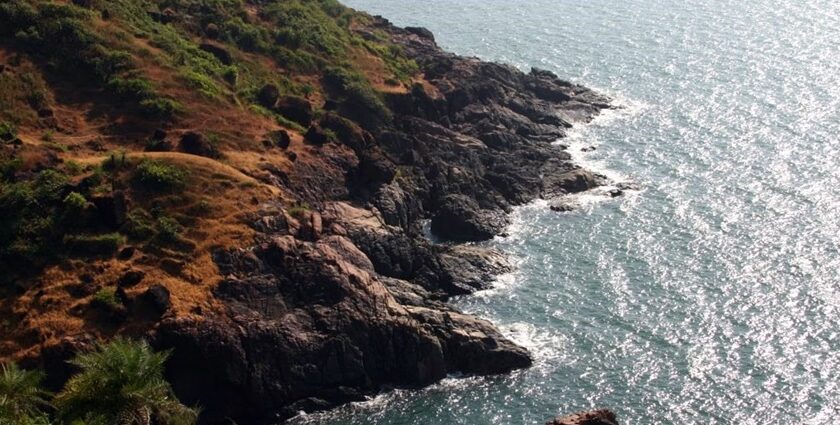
<point x="204" y="84"/>
<point x="119" y="380"/>
<point x="105" y="244"/>
<point x="75" y="211"/>
<point x="356" y="91"/>
<point x="75" y="201"/>
<point x="106" y="298"/>
<point x="168" y="229"/>
<point x="131" y="88"/>
<point x="138" y="224"/>
<point x="21" y="396"/>
<point x="8" y="132"/>
<point x="160" y="107"/>
<point x="158" y="176"/>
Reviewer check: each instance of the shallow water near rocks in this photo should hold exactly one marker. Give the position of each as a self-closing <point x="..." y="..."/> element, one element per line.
<point x="713" y="294"/>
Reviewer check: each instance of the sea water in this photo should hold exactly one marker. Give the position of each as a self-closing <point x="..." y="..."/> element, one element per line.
<point x="711" y="295"/>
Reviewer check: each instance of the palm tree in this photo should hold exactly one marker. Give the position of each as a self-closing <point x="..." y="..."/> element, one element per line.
<point x="21" y="396"/>
<point x="122" y="383"/>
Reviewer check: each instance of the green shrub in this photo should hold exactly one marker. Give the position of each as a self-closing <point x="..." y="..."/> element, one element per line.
<point x="291" y="125"/>
<point x="131" y="88"/>
<point x="159" y="176"/>
<point x="22" y="400"/>
<point x="138" y="224"/>
<point x="105" y="244"/>
<point x="73" y="168"/>
<point x="119" y="380"/>
<point x="168" y="229"/>
<point x="35" y="90"/>
<point x="160" y="107"/>
<point x="106" y="297"/>
<point x="8" y="132"/>
<point x="8" y="168"/>
<point x="204" y="84"/>
<point x="356" y="91"/>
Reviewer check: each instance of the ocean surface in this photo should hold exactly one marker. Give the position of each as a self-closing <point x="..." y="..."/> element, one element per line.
<point x="710" y="296"/>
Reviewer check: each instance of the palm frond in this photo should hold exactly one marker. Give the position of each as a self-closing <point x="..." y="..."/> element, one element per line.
<point x="123" y="382"/>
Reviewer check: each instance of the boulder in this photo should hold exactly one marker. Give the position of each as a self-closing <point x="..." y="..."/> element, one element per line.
<point x="268" y="95"/>
<point x="157" y="297"/>
<point x="131" y="278"/>
<point x="573" y="181"/>
<point x="459" y="218"/>
<point x="316" y="135"/>
<point x="375" y="167"/>
<point x="348" y="132"/>
<point x="594" y="417"/>
<point x="280" y="139"/>
<point x="222" y="54"/>
<point x="196" y="144"/>
<point x="421" y="32"/>
<point x="295" y="108"/>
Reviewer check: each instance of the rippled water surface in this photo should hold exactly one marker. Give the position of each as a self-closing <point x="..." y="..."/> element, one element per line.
<point x="712" y="295"/>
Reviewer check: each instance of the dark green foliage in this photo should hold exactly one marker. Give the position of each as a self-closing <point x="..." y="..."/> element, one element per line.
<point x="22" y="399"/>
<point x="168" y="230"/>
<point x="106" y="298"/>
<point x="122" y="383"/>
<point x="35" y="90"/>
<point x="356" y="91"/>
<point x="28" y="228"/>
<point x="76" y="211"/>
<point x="131" y="88"/>
<point x="8" y="168"/>
<point x="106" y="244"/>
<point x="63" y="35"/>
<point x="45" y="218"/>
<point x="138" y="224"/>
<point x="160" y="107"/>
<point x="158" y="176"/>
<point x="8" y="132"/>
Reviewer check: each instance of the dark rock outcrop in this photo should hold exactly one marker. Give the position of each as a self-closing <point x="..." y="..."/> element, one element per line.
<point x="196" y="144"/>
<point x="594" y="417"/>
<point x="295" y="108"/>
<point x="459" y="218"/>
<point x="311" y="320"/>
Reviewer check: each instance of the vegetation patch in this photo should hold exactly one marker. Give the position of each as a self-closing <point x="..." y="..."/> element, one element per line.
<point x="105" y="244"/>
<point x="120" y="382"/>
<point x="158" y="176"/>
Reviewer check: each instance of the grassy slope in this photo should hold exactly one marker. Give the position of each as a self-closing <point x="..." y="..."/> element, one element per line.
<point x="81" y="91"/>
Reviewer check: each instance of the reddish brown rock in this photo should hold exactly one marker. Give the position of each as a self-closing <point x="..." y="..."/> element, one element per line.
<point x="594" y="417"/>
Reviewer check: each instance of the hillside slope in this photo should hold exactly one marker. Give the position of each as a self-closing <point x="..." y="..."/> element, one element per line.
<point x="246" y="182"/>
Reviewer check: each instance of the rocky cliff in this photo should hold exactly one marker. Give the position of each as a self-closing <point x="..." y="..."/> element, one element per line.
<point x="349" y="298"/>
<point x="334" y="291"/>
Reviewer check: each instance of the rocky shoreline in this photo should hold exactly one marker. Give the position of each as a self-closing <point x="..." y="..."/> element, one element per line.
<point x="346" y="297"/>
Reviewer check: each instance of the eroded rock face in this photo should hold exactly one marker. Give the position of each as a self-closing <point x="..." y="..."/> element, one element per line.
<point x="310" y="323"/>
